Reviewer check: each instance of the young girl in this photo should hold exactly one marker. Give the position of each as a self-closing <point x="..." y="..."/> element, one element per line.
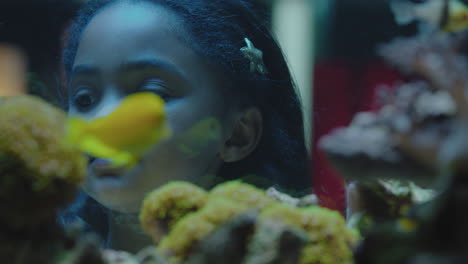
<point x="209" y="60"/>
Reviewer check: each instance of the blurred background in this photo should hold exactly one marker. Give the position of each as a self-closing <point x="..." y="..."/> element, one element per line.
<point x="330" y="46"/>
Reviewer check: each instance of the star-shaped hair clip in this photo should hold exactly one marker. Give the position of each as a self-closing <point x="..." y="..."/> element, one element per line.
<point x="255" y="56"/>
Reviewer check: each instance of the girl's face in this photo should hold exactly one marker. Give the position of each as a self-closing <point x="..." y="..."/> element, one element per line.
<point x="128" y="48"/>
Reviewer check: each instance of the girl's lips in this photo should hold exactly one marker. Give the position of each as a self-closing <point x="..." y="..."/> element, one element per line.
<point x="103" y="168"/>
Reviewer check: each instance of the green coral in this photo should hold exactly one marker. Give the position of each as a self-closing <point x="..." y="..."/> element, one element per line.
<point x="330" y="241"/>
<point x="163" y="207"/>
<point x="194" y="227"/>
<point x="39" y="171"/>
<point x="242" y="193"/>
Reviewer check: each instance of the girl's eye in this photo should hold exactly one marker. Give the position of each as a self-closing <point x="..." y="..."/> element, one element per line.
<point x="156" y="86"/>
<point x="84" y="100"/>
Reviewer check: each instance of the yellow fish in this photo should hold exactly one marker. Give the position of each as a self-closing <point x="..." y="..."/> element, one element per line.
<point x="448" y="15"/>
<point x="124" y="135"/>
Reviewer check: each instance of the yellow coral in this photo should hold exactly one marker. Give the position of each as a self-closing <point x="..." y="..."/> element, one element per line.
<point x="329" y="239"/>
<point x="242" y="193"/>
<point x="39" y="171"/>
<point x="163" y="207"/>
<point x="196" y="226"/>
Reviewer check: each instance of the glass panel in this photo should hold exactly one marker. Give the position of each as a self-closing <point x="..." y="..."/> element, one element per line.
<point x="246" y="131"/>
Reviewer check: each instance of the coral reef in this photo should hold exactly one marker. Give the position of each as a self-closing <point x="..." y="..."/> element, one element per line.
<point x="402" y="139"/>
<point x="165" y="206"/>
<point x="439" y="227"/>
<point x="39" y="174"/>
<point x="242" y="193"/>
<point x="330" y="241"/>
<point x="307" y="200"/>
<point x="183" y="238"/>
<point x="419" y="135"/>
<point x="255" y="229"/>
<point x="371" y="139"/>
<point x="381" y="200"/>
<point x="230" y="241"/>
<point x="275" y="242"/>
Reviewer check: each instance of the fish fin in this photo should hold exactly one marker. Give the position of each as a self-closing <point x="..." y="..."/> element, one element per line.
<point x="124" y="159"/>
<point x="75" y="130"/>
<point x="95" y="147"/>
<point x="160" y="134"/>
<point x="117" y="158"/>
<point x="184" y="148"/>
<point x="90" y="144"/>
<point x="165" y="133"/>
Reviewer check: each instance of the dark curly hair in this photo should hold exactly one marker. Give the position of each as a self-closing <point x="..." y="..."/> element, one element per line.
<point x="217" y="29"/>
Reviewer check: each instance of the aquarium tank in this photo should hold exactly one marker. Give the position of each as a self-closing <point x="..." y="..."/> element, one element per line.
<point x="233" y="131"/>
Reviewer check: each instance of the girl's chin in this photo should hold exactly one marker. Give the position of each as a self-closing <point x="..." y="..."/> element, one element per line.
<point x="116" y="192"/>
<point x="131" y="208"/>
<point x="115" y="201"/>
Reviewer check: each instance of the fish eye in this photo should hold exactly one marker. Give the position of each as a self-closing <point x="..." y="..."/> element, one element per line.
<point x="84" y="99"/>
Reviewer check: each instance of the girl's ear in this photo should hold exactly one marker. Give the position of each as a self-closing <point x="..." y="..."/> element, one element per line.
<point x="245" y="136"/>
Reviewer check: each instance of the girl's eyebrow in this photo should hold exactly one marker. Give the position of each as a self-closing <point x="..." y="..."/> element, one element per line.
<point x="131" y="66"/>
<point x="85" y="69"/>
<point x="155" y="64"/>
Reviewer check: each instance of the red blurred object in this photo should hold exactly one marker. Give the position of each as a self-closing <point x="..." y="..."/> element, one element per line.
<point x="341" y="89"/>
